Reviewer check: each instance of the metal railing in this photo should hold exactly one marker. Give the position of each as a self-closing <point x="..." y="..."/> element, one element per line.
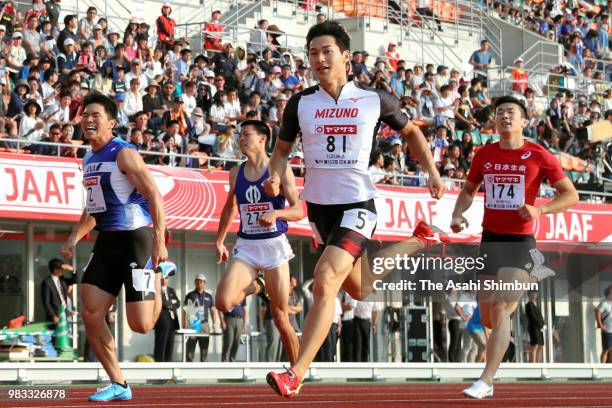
<point x="217" y="163"/>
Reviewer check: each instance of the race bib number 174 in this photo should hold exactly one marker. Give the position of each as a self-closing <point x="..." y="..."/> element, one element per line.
<point x="504" y="192"/>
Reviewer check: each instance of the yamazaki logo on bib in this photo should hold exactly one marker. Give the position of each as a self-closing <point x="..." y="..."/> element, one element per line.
<point x="336" y="130"/>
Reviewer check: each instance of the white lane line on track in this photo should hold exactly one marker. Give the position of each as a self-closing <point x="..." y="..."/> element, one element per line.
<point x="495" y="401"/>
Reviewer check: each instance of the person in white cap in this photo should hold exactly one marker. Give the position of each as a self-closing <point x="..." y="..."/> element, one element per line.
<point x="204" y="305"/>
<point x="520" y="80"/>
<point x="165" y="27"/>
<point x="16" y="54"/>
<point x="262" y="246"/>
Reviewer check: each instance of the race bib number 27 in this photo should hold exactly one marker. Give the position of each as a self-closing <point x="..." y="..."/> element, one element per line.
<point x="504" y="192"/>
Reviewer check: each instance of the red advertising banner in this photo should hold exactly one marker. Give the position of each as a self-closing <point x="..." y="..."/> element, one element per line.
<point x="49" y="188"/>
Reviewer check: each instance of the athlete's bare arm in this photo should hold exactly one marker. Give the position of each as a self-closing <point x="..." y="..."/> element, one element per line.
<point x="566" y="198"/>
<point x="135" y="169"/>
<point x="463" y="203"/>
<point x="84" y="226"/>
<point x="292" y="213"/>
<point x="278" y="166"/>
<point x="419" y="147"/>
<point x="227" y="216"/>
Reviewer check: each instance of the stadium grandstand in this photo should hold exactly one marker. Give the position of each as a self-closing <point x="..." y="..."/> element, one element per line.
<point x="184" y="75"/>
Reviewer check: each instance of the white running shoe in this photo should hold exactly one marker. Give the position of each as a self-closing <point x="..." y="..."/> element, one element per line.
<point x="479" y="390"/>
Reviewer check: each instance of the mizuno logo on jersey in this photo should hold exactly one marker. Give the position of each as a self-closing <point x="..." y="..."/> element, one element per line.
<point x="337" y="113"/>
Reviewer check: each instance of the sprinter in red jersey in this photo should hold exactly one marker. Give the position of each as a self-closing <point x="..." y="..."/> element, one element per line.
<point x="511" y="171"/>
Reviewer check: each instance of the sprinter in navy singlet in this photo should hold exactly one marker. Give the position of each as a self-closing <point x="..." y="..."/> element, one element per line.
<point x="262" y="245"/>
<point x="121" y="201"/>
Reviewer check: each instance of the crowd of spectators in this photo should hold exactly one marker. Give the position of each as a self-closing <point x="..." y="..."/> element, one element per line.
<point x="174" y="102"/>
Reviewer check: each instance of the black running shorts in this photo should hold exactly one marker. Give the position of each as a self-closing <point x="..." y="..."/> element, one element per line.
<point x="123" y="258"/>
<point x="346" y="226"/>
<point x="506" y="250"/>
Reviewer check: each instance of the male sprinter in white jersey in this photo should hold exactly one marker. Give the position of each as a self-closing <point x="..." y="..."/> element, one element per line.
<point x="122" y="200"/>
<point x="262" y="244"/>
<point x="339" y="121"/>
<point x="512" y="171"/>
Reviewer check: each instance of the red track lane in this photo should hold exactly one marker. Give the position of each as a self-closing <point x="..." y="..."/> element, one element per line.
<point x="365" y="395"/>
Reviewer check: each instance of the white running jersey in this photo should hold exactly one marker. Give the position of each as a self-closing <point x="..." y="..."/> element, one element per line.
<point x="337" y="139"/>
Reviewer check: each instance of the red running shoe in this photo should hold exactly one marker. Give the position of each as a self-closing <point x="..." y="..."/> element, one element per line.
<point x="429" y="234"/>
<point x="285" y="384"/>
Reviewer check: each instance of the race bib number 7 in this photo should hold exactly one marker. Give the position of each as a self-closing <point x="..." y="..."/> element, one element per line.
<point x="143" y="280"/>
<point x="504" y="192"/>
<point x="359" y="220"/>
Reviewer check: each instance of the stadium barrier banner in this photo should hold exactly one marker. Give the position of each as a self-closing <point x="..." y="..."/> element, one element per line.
<point x="49" y="188"/>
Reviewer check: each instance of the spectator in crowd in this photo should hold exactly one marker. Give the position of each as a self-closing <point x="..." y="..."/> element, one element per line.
<point x="454" y="326"/>
<point x="465" y="307"/>
<point x="167" y="324"/>
<point x="392" y="56"/>
<point x="54" y="133"/>
<point x="347" y="335"/>
<point x="136" y="72"/>
<point x="165" y="28"/>
<point x="203" y="304"/>
<point x="55" y="290"/>
<point x="482" y="60"/>
<point x="31" y="126"/>
<point x="603" y="317"/>
<point x="478" y="337"/>
<point x="535" y="327"/>
<point x="178" y="114"/>
<point x="226" y="65"/>
<point x="233" y="323"/>
<point x="365" y="323"/>
<point x="69" y="32"/>
<point x="375" y="167"/>
<point x="258" y="40"/>
<point x="86" y="24"/>
<point x="133" y="99"/>
<point x="213" y="32"/>
<point x="424" y="9"/>
<point x="53" y="11"/>
<point x="520" y="77"/>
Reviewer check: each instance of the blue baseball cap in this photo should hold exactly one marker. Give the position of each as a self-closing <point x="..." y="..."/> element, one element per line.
<point x="120" y="96"/>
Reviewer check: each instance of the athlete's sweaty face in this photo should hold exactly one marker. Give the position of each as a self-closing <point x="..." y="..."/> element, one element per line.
<point x="327" y="61"/>
<point x="95" y="122"/>
<point x="509" y="119"/>
<point x="250" y="140"/>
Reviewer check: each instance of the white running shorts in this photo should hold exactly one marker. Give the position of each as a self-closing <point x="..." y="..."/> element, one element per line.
<point x="264" y="254"/>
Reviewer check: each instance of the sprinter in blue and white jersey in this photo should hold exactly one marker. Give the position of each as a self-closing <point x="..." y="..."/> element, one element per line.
<point x="122" y="200"/>
<point x="262" y="245"/>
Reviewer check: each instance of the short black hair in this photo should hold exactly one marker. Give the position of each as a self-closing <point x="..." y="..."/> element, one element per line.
<point x="68" y="18"/>
<point x="260" y="127"/>
<point x="510" y="99"/>
<point x="107" y="103"/>
<point x="331" y="28"/>
<point x="388" y="161"/>
<point x="55" y="264"/>
<point x="172" y="122"/>
<point x="55" y="126"/>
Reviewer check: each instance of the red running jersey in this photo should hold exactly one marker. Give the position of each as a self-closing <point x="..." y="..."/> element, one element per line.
<point x="511" y="179"/>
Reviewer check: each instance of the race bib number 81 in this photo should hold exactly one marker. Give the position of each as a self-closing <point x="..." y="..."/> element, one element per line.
<point x="504" y="192"/>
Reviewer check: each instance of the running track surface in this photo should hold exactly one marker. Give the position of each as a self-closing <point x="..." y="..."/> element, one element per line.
<point x="366" y="395"/>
